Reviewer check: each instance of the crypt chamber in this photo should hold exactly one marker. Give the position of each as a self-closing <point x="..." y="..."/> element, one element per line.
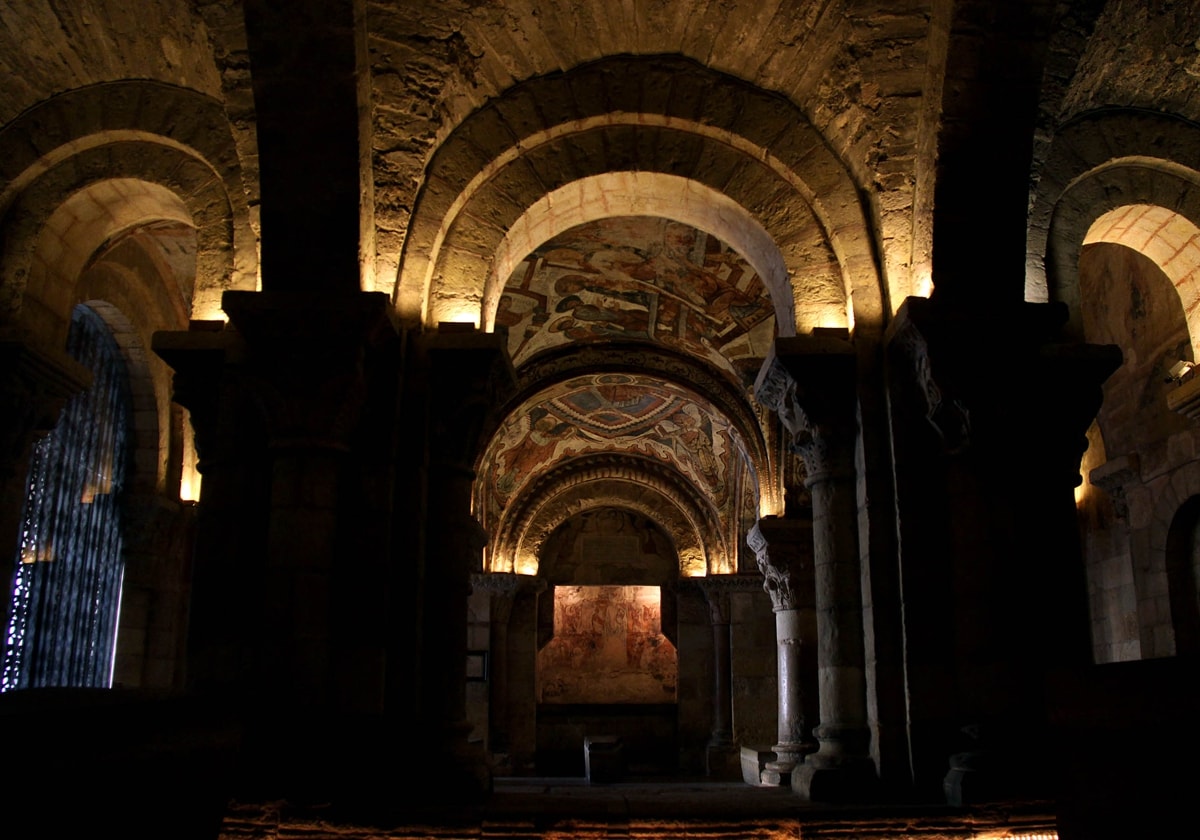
<point x="406" y="403"/>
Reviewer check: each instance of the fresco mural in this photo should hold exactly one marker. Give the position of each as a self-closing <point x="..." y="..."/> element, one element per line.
<point x="611" y="412"/>
<point x="608" y="647"/>
<point x="639" y="278"/>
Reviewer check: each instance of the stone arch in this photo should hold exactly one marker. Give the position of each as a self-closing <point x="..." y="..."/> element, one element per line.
<point x="1171" y="240"/>
<point x="672" y="197"/>
<point x="755" y="147"/>
<point x="144" y="477"/>
<point x="76" y="230"/>
<point x="1101" y="162"/>
<point x="1152" y="575"/>
<point x="729" y="402"/>
<point x="167" y="172"/>
<point x="156" y="133"/>
<point x="584" y="483"/>
<point x="1181" y="576"/>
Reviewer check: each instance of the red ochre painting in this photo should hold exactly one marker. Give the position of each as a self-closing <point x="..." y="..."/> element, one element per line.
<point x="630" y="412"/>
<point x="639" y="278"/>
<point x="608" y="647"/>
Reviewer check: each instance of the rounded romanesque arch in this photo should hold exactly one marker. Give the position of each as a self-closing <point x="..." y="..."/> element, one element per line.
<point x="1103" y="162"/>
<point x="543" y="136"/>
<point x="635" y="483"/>
<point x="730" y="402"/>
<point x="1160" y="579"/>
<point x="127" y="153"/>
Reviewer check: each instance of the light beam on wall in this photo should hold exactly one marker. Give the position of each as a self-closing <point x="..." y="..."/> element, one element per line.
<point x="189" y="477"/>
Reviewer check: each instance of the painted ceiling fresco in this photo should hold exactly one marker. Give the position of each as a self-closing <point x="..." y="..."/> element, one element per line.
<point x="613" y="412"/>
<point x="639" y="278"/>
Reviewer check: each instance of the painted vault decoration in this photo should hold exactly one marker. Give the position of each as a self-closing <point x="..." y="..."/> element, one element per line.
<point x="614" y="412"/>
<point x="639" y="278"/>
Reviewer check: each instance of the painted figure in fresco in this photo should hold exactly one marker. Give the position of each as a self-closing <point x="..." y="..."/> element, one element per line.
<point x="537" y="437"/>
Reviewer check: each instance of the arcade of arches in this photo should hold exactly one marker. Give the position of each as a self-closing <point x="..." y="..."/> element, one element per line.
<point x="798" y="393"/>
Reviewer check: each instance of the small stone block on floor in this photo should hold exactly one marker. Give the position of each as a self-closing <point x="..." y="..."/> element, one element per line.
<point x="603" y="758"/>
<point x="754" y="761"/>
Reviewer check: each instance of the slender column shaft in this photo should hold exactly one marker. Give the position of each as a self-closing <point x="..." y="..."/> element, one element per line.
<point x="784" y="551"/>
<point x="811" y="384"/>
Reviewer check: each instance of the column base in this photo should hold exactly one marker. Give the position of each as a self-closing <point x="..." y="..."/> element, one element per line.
<point x="981" y="776"/>
<point x="840" y="780"/>
<point x="723" y="761"/>
<point x="754" y="761"/>
<point x="778" y="771"/>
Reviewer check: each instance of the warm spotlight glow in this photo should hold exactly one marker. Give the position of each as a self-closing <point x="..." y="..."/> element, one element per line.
<point x="923" y="287"/>
<point x="526" y="564"/>
<point x="189" y="478"/>
<point x="458" y="312"/>
<point x="211" y="312"/>
<point x="691" y="563"/>
<point x="768" y="506"/>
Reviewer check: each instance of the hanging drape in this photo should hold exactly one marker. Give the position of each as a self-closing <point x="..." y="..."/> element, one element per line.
<point x="62" y="618"/>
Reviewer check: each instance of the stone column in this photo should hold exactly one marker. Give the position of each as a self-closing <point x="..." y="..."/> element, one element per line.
<point x="784" y="551"/>
<point x="991" y="564"/>
<point x="469" y="375"/>
<point x="721" y="759"/>
<point x="504" y="589"/>
<point x="810" y="382"/>
<point x="290" y="588"/>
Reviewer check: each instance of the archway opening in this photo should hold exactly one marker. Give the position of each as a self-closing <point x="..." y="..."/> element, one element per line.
<point x="607" y="627"/>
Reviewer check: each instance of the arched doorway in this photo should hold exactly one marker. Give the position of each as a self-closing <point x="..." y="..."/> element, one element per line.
<point x="608" y="661"/>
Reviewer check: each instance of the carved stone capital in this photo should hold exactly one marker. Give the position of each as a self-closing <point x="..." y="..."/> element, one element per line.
<point x="198" y="359"/>
<point x="1114" y="476"/>
<point x="947" y="414"/>
<point x="307" y="353"/>
<point x="809" y="382"/>
<point x="504" y="588"/>
<point x="1000" y="379"/>
<point x="784" y="551"/>
<point x="717" y="590"/>
<point x="470" y="378"/>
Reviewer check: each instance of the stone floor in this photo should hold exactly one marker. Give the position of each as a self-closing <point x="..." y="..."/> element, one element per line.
<point x="698" y="808"/>
<point x="658" y="809"/>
